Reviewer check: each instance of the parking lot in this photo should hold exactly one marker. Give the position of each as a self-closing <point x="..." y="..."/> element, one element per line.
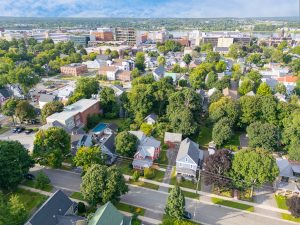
<point x="25" y="139"/>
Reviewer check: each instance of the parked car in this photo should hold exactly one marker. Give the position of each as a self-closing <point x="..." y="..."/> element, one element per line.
<point x="15" y="129"/>
<point x="187" y="215"/>
<point x="20" y="130"/>
<point x="29" y="176"/>
<point x="28" y="131"/>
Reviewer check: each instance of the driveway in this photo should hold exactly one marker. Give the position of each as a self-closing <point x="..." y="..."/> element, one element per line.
<point x="25" y="139"/>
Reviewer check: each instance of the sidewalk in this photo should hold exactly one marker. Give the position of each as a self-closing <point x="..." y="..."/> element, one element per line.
<point x="266" y="207"/>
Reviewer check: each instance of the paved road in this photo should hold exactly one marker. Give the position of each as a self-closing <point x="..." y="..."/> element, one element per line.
<point x="154" y="201"/>
<point x="25" y="139"/>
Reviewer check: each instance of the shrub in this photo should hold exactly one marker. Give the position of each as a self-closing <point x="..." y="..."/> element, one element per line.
<point x="164" y="146"/>
<point x="93" y="120"/>
<point x="136" y="176"/>
<point x="41" y="180"/>
<point x="81" y="207"/>
<point x="149" y="173"/>
<point x="294" y="205"/>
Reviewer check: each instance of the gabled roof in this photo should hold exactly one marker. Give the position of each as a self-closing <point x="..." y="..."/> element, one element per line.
<point x="159" y="71"/>
<point x="285" y="168"/>
<point x="151" y="116"/>
<point x="189" y="148"/>
<point x="172" y="137"/>
<point x="4" y="92"/>
<point x="57" y="205"/>
<point x="109" y="143"/>
<point x="107" y="215"/>
<point x="46" y="98"/>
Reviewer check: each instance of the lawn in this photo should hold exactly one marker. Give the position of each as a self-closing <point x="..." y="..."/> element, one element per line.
<point x="31" y="183"/>
<point x="232" y="204"/>
<point x="4" y="130"/>
<point x="125" y="167"/>
<point x="77" y="195"/>
<point x="144" y="184"/>
<point x="129" y="208"/>
<point x="290" y="217"/>
<point x="163" y="159"/>
<point x="117" y="121"/>
<point x="167" y="220"/>
<point x="184" y="183"/>
<point x="159" y="175"/>
<point x="222" y="192"/>
<point x="31" y="200"/>
<point x="205" y="136"/>
<point x="281" y="202"/>
<point x="234" y="142"/>
<point x="189" y="194"/>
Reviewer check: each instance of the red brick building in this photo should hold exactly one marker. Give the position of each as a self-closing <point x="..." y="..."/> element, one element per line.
<point x="74" y="69"/>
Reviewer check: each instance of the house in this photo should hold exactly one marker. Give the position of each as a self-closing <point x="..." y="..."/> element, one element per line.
<point x="96" y="64"/>
<point x="76" y="115"/>
<point x="118" y="90"/>
<point x="148" y="150"/>
<point x="172" y="139"/>
<point x="16" y="91"/>
<point x="57" y="210"/>
<point x="151" y="119"/>
<point x="4" y="95"/>
<point x="45" y="98"/>
<point x="123" y="75"/>
<point x="289" y="82"/>
<point x="189" y="158"/>
<point x="158" y="73"/>
<point x="233" y="94"/>
<point x="280" y="97"/>
<point x="289" y="175"/>
<point x="109" y="215"/>
<point x="80" y="140"/>
<point x="74" y="69"/>
<point x="54" y="123"/>
<point x="109" y="71"/>
<point x="211" y="91"/>
<point x="64" y="93"/>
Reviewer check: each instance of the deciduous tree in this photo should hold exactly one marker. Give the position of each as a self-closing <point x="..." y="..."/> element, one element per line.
<point x="126" y="143"/>
<point x="87" y="156"/>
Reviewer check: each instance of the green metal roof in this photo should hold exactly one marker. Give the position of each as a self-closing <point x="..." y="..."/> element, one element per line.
<point x="107" y="215"/>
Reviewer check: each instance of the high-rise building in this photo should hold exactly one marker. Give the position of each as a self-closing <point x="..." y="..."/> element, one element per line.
<point x="127" y="35"/>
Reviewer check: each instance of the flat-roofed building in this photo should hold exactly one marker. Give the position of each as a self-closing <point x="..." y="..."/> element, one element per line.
<point x="74" y="69"/>
<point x="127" y="35"/>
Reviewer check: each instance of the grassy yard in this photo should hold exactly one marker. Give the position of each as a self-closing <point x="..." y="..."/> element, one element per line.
<point x="281" y="203"/>
<point x="234" y="142"/>
<point x="163" y="159"/>
<point x="77" y="195"/>
<point x="290" y="217"/>
<point x="144" y="184"/>
<point x="117" y="121"/>
<point x="222" y="192"/>
<point x="205" y="136"/>
<point x="167" y="220"/>
<point x="31" y="200"/>
<point x="129" y="208"/>
<point x="31" y="183"/>
<point x="232" y="204"/>
<point x="125" y="167"/>
<point x="4" y="130"/>
<point x="183" y="183"/>
<point x="159" y="175"/>
<point x="188" y="194"/>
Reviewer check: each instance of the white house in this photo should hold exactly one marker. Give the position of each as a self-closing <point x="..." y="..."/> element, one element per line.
<point x="151" y="119"/>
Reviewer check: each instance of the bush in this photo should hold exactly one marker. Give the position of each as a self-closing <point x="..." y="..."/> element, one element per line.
<point x="136" y="176"/>
<point x="294" y="205"/>
<point x="81" y="207"/>
<point x="41" y="180"/>
<point x="164" y="147"/>
<point x="149" y="173"/>
<point x="93" y="120"/>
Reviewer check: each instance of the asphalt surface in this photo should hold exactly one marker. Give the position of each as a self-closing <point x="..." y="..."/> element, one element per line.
<point x="154" y="201"/>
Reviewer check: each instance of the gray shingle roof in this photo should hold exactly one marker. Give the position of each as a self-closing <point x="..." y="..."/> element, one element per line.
<point x="46" y="98"/>
<point x="160" y="71"/>
<point x="190" y="148"/>
<point x="109" y="143"/>
<point x="152" y="116"/>
<point x="57" y="205"/>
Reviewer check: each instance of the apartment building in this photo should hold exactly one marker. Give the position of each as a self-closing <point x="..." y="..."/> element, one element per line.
<point x="102" y="34"/>
<point x="127" y="35"/>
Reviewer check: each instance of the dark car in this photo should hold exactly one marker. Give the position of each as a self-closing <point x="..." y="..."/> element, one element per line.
<point x="15" y="129"/>
<point x="28" y="131"/>
<point x="20" y="130"/>
<point x="29" y="176"/>
<point x="187" y="215"/>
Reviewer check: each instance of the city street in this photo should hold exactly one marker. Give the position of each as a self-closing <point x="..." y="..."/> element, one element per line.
<point x="154" y="201"/>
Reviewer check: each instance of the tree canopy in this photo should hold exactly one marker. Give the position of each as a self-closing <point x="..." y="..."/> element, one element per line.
<point x="126" y="143"/>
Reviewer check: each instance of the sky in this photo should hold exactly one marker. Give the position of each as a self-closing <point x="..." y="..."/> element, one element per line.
<point x="149" y="8"/>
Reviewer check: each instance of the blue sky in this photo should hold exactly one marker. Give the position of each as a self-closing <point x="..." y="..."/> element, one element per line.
<point x="149" y="8"/>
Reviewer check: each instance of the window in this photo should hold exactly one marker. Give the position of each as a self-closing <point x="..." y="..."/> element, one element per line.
<point x="180" y="165"/>
<point x="186" y="159"/>
<point x="191" y="166"/>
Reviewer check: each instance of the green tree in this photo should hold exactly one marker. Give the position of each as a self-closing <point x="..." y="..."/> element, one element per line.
<point x="182" y="83"/>
<point x="108" y="101"/>
<point x="253" y="168"/>
<point x="187" y="58"/>
<point x="236" y="51"/>
<point x="264" y="89"/>
<point x="9" y="107"/>
<point x="221" y="66"/>
<point x="87" y="156"/>
<point x="135" y="73"/>
<point x="86" y="87"/>
<point x="140" y="61"/>
<point x="222" y="131"/>
<point x="14" y="163"/>
<point x="280" y="88"/>
<point x="146" y="128"/>
<point x="246" y="86"/>
<point x="207" y="47"/>
<point x="126" y="143"/>
<point x="211" y="79"/>
<point x="255" y="76"/>
<point x="25" y="111"/>
<point x="175" y="203"/>
<point x="161" y="60"/>
<point x="51" y="108"/>
<point x="51" y="145"/>
<point x="262" y="135"/>
<point x="291" y="134"/>
<point x="213" y="57"/>
<point x="254" y="58"/>
<point x="17" y="211"/>
<point x="295" y="65"/>
<point x="42" y="180"/>
<point x="101" y="184"/>
<point x="114" y="54"/>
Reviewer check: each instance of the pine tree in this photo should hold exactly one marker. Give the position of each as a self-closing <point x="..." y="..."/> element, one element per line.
<point x="175" y="203"/>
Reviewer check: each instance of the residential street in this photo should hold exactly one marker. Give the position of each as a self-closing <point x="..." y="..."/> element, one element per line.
<point x="154" y="201"/>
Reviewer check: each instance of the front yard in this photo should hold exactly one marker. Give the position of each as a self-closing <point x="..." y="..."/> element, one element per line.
<point x="232" y="204"/>
<point x="188" y="194"/>
<point x="144" y="184"/>
<point x="129" y="208"/>
<point x="281" y="203"/>
<point x="163" y="159"/>
<point x="32" y="184"/>
<point x="183" y="182"/>
<point x="77" y="195"/>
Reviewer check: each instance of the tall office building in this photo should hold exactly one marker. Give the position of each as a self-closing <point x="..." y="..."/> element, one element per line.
<point x="102" y="34"/>
<point x="127" y="35"/>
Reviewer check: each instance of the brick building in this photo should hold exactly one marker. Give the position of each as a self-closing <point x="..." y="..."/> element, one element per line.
<point x="74" y="69"/>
